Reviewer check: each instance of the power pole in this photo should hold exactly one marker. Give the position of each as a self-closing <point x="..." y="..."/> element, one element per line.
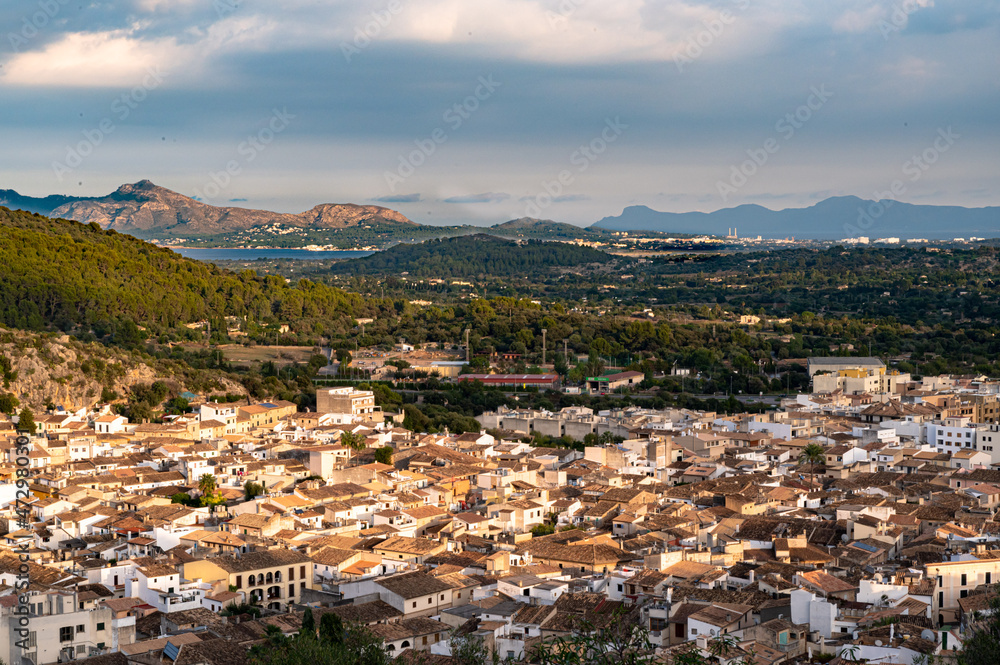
<point x="566" y="351"/>
<point x="467" y="345"/>
<point x="543" y="345"/>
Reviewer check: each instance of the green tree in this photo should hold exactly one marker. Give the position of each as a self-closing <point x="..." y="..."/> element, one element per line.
<point x="251" y="490"/>
<point x="26" y="421"/>
<point x="8" y="402"/>
<point x="353" y="442"/>
<point x="308" y="623"/>
<point x="384" y="454"/>
<point x="812" y="455"/>
<point x="542" y="530"/>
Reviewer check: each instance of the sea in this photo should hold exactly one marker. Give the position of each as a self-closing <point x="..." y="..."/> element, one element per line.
<point x="242" y="254"/>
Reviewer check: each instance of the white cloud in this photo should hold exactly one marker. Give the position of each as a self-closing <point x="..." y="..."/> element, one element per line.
<point x="97" y="59"/>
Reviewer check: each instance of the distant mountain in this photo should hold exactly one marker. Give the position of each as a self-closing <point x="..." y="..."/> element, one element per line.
<point x="144" y="209"/>
<point x="832" y="218"/>
<point x="472" y="256"/>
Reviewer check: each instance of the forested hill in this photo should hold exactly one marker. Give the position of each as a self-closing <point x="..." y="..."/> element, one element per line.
<point x="56" y="273"/>
<point x="475" y="255"/>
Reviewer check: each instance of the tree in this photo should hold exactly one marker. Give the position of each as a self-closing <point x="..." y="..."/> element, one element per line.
<point x="8" y="402"/>
<point x="210" y="494"/>
<point x="206" y="484"/>
<point x="618" y="639"/>
<point x="383" y="455"/>
<point x="308" y="623"/>
<point x="331" y="628"/>
<point x="812" y="455"/>
<point x="353" y="442"/>
<point x="542" y="530"/>
<point x="26" y="421"/>
<point x="251" y="490"/>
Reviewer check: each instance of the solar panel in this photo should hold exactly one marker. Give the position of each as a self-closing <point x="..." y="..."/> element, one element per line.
<point x="171" y="651"/>
<point x="866" y="547"/>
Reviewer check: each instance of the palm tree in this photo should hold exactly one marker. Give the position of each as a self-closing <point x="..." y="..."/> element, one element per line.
<point x="353" y="441"/>
<point x="206" y="485"/>
<point x="812" y="455"/>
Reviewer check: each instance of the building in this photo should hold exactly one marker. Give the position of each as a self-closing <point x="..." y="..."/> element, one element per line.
<point x="360" y="403"/>
<point x="547" y="381"/>
<point x="274" y="578"/>
<point x="835" y="364"/>
<point x="609" y="383"/>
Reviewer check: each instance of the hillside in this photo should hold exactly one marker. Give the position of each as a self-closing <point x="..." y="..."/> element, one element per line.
<point x="147" y="209"/>
<point x="832" y="218"/>
<point x="61" y="370"/>
<point x="543" y="229"/>
<point x="474" y="255"/>
<point x="62" y="274"/>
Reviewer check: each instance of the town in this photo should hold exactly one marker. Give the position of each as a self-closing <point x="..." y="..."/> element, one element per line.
<point x="854" y="522"/>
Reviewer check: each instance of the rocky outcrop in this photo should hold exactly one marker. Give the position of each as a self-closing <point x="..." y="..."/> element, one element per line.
<point x="64" y="371"/>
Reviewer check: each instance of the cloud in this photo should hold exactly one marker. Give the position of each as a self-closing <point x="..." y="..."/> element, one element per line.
<point x="488" y="197"/>
<point x="398" y="198"/>
<point x="94" y="59"/>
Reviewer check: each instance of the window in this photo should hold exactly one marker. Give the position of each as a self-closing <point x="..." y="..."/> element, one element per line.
<point x="442" y="596"/>
<point x="963" y="593"/>
<point x="963" y="579"/>
<point x="430" y="600"/>
<point x="302" y="572"/>
<point x="100" y="645"/>
<point x="940" y="598"/>
<point x="291" y="574"/>
<point x="66" y="634"/>
<point x="291" y="590"/>
<point x="989" y="578"/>
<point x="414" y="604"/>
<point x="239" y="581"/>
<point x="100" y="626"/>
<point x="81" y="628"/>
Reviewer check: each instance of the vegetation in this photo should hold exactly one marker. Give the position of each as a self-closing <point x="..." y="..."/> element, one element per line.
<point x="333" y="643"/>
<point x="812" y="455"/>
<point x="471" y="256"/>
<point x="384" y="454"/>
<point x="26" y="421"/>
<point x="252" y="490"/>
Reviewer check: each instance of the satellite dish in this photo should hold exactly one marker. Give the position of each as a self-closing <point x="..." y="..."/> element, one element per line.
<point x="878" y="643"/>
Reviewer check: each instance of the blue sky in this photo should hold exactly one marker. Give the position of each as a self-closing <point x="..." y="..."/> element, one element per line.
<point x="454" y="111"/>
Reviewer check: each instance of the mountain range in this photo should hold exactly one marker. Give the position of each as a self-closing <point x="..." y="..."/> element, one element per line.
<point x="833" y="218"/>
<point x="144" y="208"/>
<point x="148" y="210"/>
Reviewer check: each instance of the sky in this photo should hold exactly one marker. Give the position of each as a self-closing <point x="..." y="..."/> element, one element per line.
<point x="480" y="111"/>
